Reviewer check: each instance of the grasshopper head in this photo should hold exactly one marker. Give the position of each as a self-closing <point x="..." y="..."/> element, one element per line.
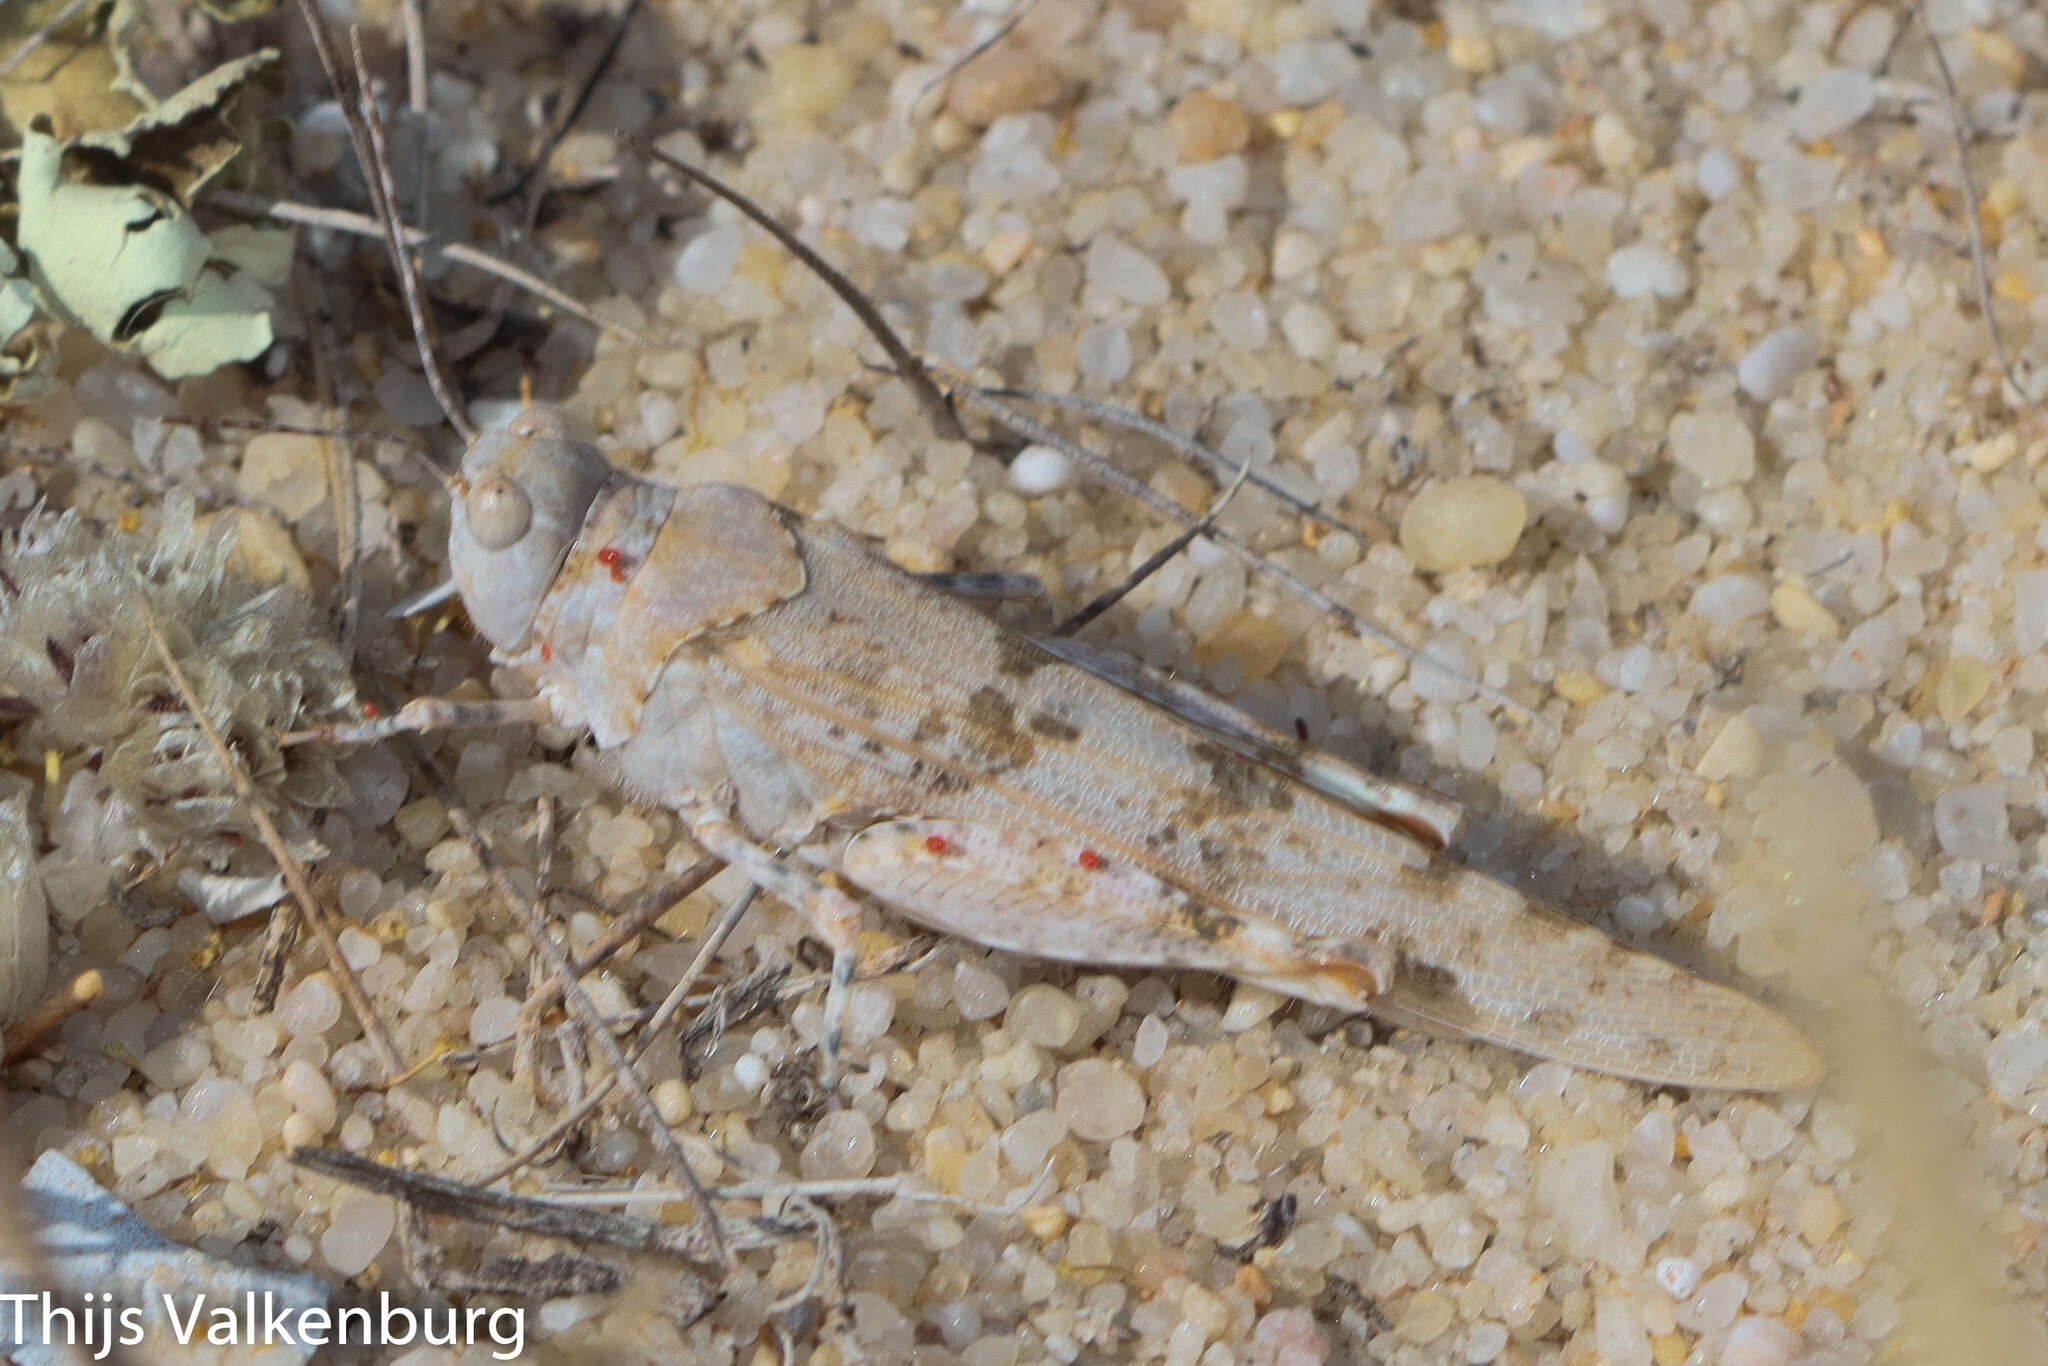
<point x="519" y="502"/>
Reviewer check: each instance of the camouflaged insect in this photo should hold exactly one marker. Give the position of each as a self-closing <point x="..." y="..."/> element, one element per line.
<point x="784" y="687"/>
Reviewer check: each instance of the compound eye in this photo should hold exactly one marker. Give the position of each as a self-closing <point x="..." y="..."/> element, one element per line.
<point x="498" y="511"/>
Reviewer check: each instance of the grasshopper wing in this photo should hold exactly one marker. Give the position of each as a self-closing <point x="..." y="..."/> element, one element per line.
<point x="905" y="701"/>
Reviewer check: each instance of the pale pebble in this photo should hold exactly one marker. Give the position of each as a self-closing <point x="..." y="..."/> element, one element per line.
<point x="357" y="1230"/>
<point x="1643" y="270"/>
<point x="2015" y="1061"/>
<point x="1039" y="470"/>
<point x="1099" y="1099"/>
<point x="1836" y="101"/>
<point x="1730" y="598"/>
<point x="1972" y="822"/>
<point x="1768" y="368"/>
<point x="1129" y="274"/>
<point x="1463" y="524"/>
<point x="1715" y="447"/>
<point x="1758" y="1341"/>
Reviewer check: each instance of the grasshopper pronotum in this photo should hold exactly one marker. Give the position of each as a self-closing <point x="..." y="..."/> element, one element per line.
<point x="785" y="688"/>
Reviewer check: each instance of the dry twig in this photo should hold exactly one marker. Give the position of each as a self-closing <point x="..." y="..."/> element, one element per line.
<point x="913" y="370"/>
<point x="714" y="939"/>
<point x="1188" y="446"/>
<point x="54" y="1010"/>
<point x="366" y="135"/>
<point x="573" y="112"/>
<point x="1030" y="429"/>
<point x="651" y="907"/>
<point x="708" y="1242"/>
<point x="309" y="907"/>
<point x="341" y="220"/>
<point x="40" y="36"/>
<point x="1157" y="560"/>
<point x="384" y="198"/>
<point x="1959" y="125"/>
<point x="973" y="54"/>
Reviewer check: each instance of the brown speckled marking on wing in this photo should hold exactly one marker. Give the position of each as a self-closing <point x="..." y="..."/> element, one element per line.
<point x="912" y="703"/>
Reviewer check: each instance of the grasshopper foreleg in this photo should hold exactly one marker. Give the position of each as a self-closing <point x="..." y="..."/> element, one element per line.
<point x="429" y="713"/>
<point x="833" y="915"/>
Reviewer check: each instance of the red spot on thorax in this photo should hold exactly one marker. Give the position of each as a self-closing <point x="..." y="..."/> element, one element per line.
<point x="547" y="652"/>
<point x="609" y="555"/>
<point x="372" y="710"/>
<point x="935" y="843"/>
<point x="1090" y="860"/>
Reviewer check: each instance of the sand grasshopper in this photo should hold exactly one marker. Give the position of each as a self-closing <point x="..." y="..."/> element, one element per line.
<point x="822" y="718"/>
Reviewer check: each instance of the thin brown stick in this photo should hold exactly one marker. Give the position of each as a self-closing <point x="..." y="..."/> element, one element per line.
<point x="341" y="220"/>
<point x="310" y="909"/>
<point x="1157" y="560"/>
<point x="573" y="112"/>
<point x="280" y="937"/>
<point x="338" y="459"/>
<point x="526" y="1035"/>
<point x="707" y="1240"/>
<point x="731" y="1006"/>
<point x="1106" y="470"/>
<point x="973" y="55"/>
<point x="41" y="36"/>
<point x="54" y="1010"/>
<point x="445" y="1196"/>
<point x="1959" y="125"/>
<point x="413" y="15"/>
<point x="913" y="370"/>
<point x="1188" y="446"/>
<point x="623" y="930"/>
<point x="366" y="136"/>
<point x="714" y="939"/>
<point x="384" y="198"/>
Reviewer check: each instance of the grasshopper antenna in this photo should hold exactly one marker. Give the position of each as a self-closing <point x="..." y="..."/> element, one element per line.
<point x="901" y="356"/>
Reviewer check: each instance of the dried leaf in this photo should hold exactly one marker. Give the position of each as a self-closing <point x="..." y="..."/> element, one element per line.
<point x="73" y="78"/>
<point x="102" y="252"/>
<point x="114" y="249"/>
<point x="183" y="142"/>
<point x="221" y="318"/>
<point x="226" y="898"/>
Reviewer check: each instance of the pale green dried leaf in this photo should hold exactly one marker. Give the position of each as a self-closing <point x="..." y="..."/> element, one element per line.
<point x="222" y="318"/>
<point x="265" y="253"/>
<point x="101" y="252"/>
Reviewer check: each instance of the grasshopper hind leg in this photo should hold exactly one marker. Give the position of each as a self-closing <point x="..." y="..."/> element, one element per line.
<point x="833" y="915"/>
<point x="1053" y="897"/>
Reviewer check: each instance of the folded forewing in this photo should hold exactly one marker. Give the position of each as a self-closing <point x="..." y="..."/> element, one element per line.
<point x="916" y="705"/>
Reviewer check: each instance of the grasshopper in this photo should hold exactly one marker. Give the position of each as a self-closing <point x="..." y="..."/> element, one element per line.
<point x="822" y="719"/>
